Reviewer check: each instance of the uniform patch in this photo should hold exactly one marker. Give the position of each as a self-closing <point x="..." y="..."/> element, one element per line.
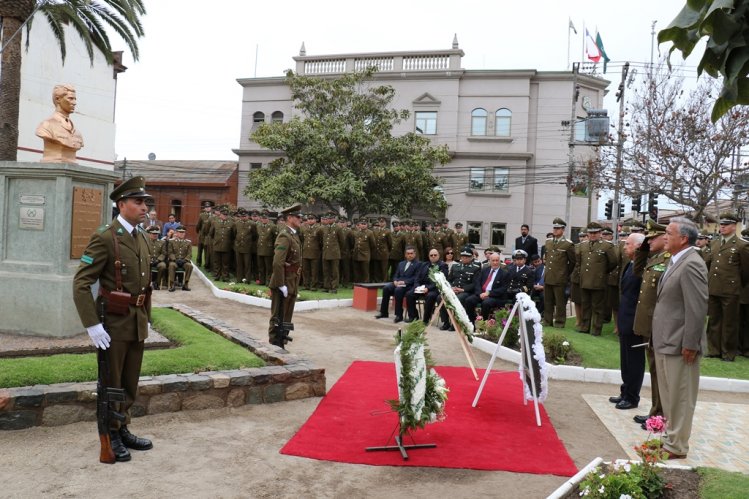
<point x="280" y="247"/>
<point x="87" y="259"/>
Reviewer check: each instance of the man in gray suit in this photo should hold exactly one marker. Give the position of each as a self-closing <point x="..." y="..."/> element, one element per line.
<point x="678" y="333"/>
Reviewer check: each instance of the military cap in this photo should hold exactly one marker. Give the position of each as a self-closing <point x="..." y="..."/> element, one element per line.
<point x="242" y="212"/>
<point x="361" y="221"/>
<point x="466" y="251"/>
<point x="654" y="229"/>
<point x="623" y="233"/>
<point x="494" y="249"/>
<point x="728" y="218"/>
<point x="445" y="220"/>
<point x="594" y="227"/>
<point x="382" y="219"/>
<point x="520" y="254"/>
<point x="311" y="216"/>
<point x="153" y="229"/>
<point x="224" y="211"/>
<point x="254" y="212"/>
<point x="606" y="230"/>
<point x="705" y="236"/>
<point x="558" y="223"/>
<point x="131" y="188"/>
<point x="583" y="233"/>
<point x="294" y="210"/>
<point x="396" y="223"/>
<point x="458" y="224"/>
<point x="207" y="203"/>
<point x="265" y="214"/>
<point x="744" y="233"/>
<point x="181" y="228"/>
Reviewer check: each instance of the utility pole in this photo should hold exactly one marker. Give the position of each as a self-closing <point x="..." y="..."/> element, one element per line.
<point x="571" y="154"/>
<point x="619" y="153"/>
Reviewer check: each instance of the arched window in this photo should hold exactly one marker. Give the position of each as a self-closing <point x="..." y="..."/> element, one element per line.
<point x="478" y="121"/>
<point x="258" y="119"/>
<point x="503" y="122"/>
<point x="277" y="117"/>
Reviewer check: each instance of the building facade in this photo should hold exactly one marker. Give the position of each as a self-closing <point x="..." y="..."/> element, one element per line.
<point x="507" y="131"/>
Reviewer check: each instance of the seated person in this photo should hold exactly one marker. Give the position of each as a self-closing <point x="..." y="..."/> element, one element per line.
<point x="461" y="279"/>
<point x="425" y="287"/>
<point x="158" y="256"/>
<point x="522" y="276"/>
<point x="403" y="280"/>
<point x="490" y="289"/>
<point x="180" y="253"/>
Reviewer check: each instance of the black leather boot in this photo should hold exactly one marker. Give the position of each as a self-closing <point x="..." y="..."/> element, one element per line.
<point x="134" y="442"/>
<point x="121" y="454"/>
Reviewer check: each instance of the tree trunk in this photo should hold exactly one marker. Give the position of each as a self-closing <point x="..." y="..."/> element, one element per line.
<point x="10" y="89"/>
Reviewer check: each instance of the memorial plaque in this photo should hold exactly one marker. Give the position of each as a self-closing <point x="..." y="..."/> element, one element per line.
<point x="31" y="218"/>
<point x="87" y="205"/>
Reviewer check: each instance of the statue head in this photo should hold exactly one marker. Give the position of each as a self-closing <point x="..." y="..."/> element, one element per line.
<point x="64" y="98"/>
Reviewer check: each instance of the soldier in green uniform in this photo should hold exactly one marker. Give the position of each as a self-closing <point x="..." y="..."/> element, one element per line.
<point x="333" y="240"/>
<point x="459" y="238"/>
<point x="158" y="256"/>
<point x="202" y="229"/>
<point x="221" y="236"/>
<point x="575" y="294"/>
<point x="243" y="236"/>
<point x="381" y="253"/>
<point x="461" y="278"/>
<point x="266" y="236"/>
<point x="744" y="311"/>
<point x="597" y="259"/>
<point x="559" y="264"/>
<point x="397" y="249"/>
<point x="361" y="251"/>
<point x="180" y="257"/>
<point x="434" y="239"/>
<point x="120" y="330"/>
<point x="284" y="281"/>
<point x="728" y="265"/>
<point x="311" y="236"/>
<point x="703" y="246"/>
<point x="411" y="236"/>
<point x="651" y="260"/>
<point x="254" y="220"/>
<point x="345" y="266"/>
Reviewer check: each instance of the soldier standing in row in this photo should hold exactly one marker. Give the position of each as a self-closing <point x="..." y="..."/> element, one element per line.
<point x="243" y="236"/>
<point x="559" y="264"/>
<point x="284" y="280"/>
<point x="156" y="247"/>
<point x="703" y="246"/>
<point x="333" y="240"/>
<point x="397" y="249"/>
<point x="266" y="236"/>
<point x="202" y="228"/>
<point x="180" y="255"/>
<point x="361" y="253"/>
<point x="596" y="259"/>
<point x="381" y="253"/>
<point x="459" y="238"/>
<point x="311" y="236"/>
<point x="345" y="265"/>
<point x="221" y="237"/>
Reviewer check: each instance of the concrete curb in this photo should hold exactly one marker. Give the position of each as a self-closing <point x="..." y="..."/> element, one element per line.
<point x="608" y="376"/>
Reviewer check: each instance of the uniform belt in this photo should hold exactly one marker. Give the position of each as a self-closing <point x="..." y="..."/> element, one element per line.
<point x="135" y="300"/>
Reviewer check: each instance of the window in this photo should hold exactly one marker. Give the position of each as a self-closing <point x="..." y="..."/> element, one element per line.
<point x="478" y="121"/>
<point x="498" y="234"/>
<point x="277" y="117"/>
<point x="476" y="181"/>
<point x="501" y="180"/>
<point x="474" y="233"/>
<point x="503" y="122"/>
<point x="255" y="166"/>
<point x="176" y="209"/>
<point x="258" y="119"/>
<point x="426" y="122"/>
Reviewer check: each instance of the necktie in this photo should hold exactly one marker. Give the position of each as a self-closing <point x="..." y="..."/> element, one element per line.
<point x="488" y="280"/>
<point x="134" y="232"/>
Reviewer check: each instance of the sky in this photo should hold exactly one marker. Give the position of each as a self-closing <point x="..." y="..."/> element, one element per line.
<point x="181" y="100"/>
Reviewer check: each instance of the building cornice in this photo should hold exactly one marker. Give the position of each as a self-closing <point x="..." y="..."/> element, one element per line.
<point x="522" y="156"/>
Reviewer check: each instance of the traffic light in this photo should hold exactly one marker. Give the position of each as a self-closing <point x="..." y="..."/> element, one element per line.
<point x="653" y="206"/>
<point x="636" y="204"/>
<point x="621" y="210"/>
<point x="609" y="207"/>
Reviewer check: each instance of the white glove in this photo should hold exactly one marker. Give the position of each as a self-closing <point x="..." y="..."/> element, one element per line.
<point x="99" y="336"/>
<point x="284" y="290"/>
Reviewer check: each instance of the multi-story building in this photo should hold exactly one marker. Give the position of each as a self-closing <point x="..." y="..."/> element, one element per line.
<point x="507" y="131"/>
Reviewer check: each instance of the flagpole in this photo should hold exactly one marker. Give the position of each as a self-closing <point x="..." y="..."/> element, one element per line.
<point x="569" y="38"/>
<point x="582" y="53"/>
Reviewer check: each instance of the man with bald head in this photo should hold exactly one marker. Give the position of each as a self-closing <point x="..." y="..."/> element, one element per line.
<point x="490" y="288"/>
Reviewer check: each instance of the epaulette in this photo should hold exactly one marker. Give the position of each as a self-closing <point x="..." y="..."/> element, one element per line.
<point x="188" y="240"/>
<point x="666" y="255"/>
<point x="103" y="228"/>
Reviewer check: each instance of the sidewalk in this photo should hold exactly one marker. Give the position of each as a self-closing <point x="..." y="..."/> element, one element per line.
<point x="234" y="452"/>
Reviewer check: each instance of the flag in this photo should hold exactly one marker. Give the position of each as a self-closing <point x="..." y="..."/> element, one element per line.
<point x="591" y="49"/>
<point x="572" y="26"/>
<point x="599" y="44"/>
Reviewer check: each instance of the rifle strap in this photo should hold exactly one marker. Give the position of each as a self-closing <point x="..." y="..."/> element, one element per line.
<point x="117" y="263"/>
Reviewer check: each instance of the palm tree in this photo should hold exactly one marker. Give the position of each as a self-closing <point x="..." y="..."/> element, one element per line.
<point x="89" y="18"/>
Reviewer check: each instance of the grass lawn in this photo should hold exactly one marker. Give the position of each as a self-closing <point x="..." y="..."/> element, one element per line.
<point x="719" y="484"/>
<point x="603" y="352"/>
<point x="199" y="350"/>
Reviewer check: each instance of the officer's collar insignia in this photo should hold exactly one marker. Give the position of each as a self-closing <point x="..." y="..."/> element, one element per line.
<point x="120" y="231"/>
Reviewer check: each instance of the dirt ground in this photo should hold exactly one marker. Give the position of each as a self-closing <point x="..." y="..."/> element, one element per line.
<point x="235" y="452"/>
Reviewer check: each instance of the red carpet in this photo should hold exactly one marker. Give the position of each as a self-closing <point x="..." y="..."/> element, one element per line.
<point x="499" y="434"/>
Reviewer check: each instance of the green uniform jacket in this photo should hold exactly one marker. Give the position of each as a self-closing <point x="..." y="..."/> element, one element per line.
<point x="615" y="274"/>
<point x="347" y="243"/>
<point x="559" y="259"/>
<point x="180" y="249"/>
<point x="156" y="249"/>
<point x="461" y="276"/>
<point x="650" y="267"/>
<point x="459" y="240"/>
<point x="203" y="226"/>
<point x="243" y="236"/>
<point x="311" y="237"/>
<point x="397" y="246"/>
<point x="266" y="236"/>
<point x="97" y="262"/>
<point x="728" y="266"/>
<point x="333" y="240"/>
<point x="221" y="234"/>
<point x="382" y="243"/>
<point x="287" y="257"/>
<point x="364" y="244"/>
<point x="596" y="260"/>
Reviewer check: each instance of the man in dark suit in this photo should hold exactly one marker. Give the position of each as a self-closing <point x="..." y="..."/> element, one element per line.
<point x="631" y="357"/>
<point x="490" y="289"/>
<point x="525" y="242"/>
<point x="678" y="332"/>
<point x="403" y="281"/>
<point x="119" y="330"/>
<point x="425" y="287"/>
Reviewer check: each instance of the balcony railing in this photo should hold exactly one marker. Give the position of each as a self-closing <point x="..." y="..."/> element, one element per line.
<point x="429" y="60"/>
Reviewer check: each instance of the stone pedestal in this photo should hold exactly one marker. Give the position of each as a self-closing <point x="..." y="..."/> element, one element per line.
<point x="47" y="214"/>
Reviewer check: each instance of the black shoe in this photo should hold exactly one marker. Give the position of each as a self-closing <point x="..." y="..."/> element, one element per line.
<point x="595" y="333"/>
<point x="185" y="288"/>
<point x="121" y="454"/>
<point x="398" y="319"/>
<point x="134" y="442"/>
<point x="155" y="287"/>
<point x="451" y="328"/>
<point x="381" y="316"/>
<point x="640" y="419"/>
<point x="444" y="327"/>
<point x="644" y="426"/>
<point x="408" y="320"/>
<point x="626" y="404"/>
<point x="615" y="400"/>
<point x="712" y="356"/>
<point x="172" y="288"/>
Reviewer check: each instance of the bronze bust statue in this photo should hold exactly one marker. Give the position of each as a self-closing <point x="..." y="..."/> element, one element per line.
<point x="61" y="138"/>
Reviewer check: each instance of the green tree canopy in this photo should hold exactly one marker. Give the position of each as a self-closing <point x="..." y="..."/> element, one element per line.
<point x="341" y="151"/>
<point x="725" y="23"/>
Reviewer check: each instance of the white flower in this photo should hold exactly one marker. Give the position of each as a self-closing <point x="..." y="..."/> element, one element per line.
<point x="625" y="496"/>
<point x="565" y="343"/>
<point x="627" y="468"/>
<point x="585" y="491"/>
<point x="602" y="490"/>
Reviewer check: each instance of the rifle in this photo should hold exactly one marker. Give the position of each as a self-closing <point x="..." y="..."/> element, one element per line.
<point x="280" y="328"/>
<point x="105" y="395"/>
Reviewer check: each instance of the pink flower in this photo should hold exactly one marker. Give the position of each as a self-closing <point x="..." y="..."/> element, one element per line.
<point x="492" y="322"/>
<point x="656" y="424"/>
<point x="479" y="318"/>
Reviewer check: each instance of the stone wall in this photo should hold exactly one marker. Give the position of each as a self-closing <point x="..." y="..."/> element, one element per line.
<point x="286" y="377"/>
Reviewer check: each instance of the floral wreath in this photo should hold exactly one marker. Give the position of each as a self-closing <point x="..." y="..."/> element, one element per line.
<point x="450" y="299"/>
<point x="529" y="312"/>
<point x="422" y="392"/>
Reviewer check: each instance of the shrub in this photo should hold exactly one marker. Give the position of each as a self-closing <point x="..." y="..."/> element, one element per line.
<point x="558" y="349"/>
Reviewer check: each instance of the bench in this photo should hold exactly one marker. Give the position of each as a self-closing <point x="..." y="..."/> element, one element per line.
<point x="365" y="295"/>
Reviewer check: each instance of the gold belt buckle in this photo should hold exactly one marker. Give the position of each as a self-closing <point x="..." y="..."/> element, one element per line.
<point x="141" y="299"/>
